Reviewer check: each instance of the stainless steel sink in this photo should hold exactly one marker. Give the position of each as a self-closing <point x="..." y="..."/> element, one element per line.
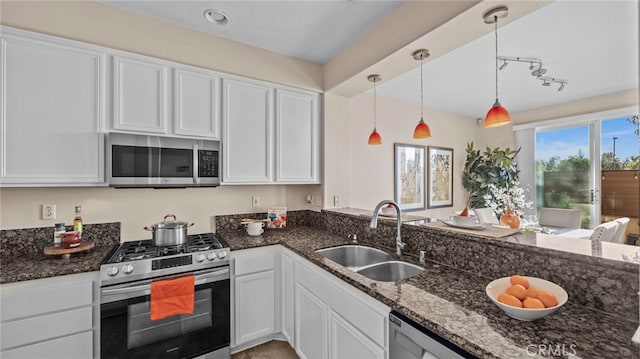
<point x="371" y="263"/>
<point x="354" y="256"/>
<point x="390" y="271"/>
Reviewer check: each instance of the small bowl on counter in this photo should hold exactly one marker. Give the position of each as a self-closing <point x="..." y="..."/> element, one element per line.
<point x="71" y="239"/>
<point x="501" y="286"/>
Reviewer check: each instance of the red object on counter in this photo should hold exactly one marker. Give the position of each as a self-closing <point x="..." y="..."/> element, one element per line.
<point x="172" y="297"/>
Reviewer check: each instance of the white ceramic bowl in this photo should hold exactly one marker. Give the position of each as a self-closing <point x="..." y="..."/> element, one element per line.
<point x="500" y="285"/>
<point x="388" y="211"/>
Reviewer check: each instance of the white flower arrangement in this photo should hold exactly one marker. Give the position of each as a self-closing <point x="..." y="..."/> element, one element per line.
<point x="500" y="198"/>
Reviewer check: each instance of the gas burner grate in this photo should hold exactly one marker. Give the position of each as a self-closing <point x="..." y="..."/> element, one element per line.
<point x="145" y="249"/>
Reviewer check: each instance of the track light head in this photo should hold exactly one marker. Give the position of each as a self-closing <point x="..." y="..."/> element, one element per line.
<point x="561" y="87"/>
<point x="504" y="64"/>
<point x="532" y="67"/>
<point x="546" y="83"/>
<point x="539" y="72"/>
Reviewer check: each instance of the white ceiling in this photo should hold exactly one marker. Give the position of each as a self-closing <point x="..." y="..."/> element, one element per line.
<point x="314" y="30"/>
<point x="592" y="44"/>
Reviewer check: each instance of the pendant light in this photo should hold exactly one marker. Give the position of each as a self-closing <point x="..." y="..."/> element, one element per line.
<point x="374" y="137"/>
<point x="497" y="115"/>
<point x="422" y="130"/>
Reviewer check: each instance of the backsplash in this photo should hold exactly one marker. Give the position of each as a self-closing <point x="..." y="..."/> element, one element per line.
<point x="32" y="241"/>
<point x="294" y="218"/>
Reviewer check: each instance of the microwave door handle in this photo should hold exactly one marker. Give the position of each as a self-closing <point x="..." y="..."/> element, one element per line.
<point x="195" y="163"/>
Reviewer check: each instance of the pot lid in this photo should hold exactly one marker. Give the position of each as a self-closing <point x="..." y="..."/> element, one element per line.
<point x="165" y="224"/>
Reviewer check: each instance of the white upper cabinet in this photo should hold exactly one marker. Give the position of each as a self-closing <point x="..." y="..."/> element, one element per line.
<point x="269" y="138"/>
<point x="147" y="99"/>
<point x="196" y="103"/>
<point x="52" y="103"/>
<point x="297" y="137"/>
<point x="140" y="95"/>
<point x="247" y="146"/>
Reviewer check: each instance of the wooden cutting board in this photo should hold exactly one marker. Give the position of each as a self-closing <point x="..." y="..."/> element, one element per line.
<point x="66" y="252"/>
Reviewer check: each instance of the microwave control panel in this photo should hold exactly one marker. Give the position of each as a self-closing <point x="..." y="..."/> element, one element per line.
<point x="207" y="163"/>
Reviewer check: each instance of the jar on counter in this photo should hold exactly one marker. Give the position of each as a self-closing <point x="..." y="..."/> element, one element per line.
<point x="57" y="233"/>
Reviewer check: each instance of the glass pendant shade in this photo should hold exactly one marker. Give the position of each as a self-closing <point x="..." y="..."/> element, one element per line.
<point x="497" y="116"/>
<point x="375" y="138"/>
<point x="422" y="130"/>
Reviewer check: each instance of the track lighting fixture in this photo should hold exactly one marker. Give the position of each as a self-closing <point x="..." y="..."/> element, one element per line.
<point x="535" y="65"/>
<point x="547" y="81"/>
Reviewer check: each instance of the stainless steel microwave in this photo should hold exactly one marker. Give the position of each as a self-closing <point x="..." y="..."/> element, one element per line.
<point x="161" y="162"/>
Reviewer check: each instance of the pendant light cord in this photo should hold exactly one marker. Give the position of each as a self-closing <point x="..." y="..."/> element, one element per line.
<point x="374" y="104"/>
<point x="495" y="18"/>
<point x="421" y="90"/>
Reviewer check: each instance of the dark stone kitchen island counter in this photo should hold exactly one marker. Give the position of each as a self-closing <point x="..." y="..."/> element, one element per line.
<point x="453" y="303"/>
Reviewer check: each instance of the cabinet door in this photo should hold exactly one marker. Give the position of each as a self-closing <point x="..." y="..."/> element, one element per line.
<point x="139" y="95"/>
<point x="297" y="137"/>
<point x="52" y="99"/>
<point x="197" y="104"/>
<point x="346" y="341"/>
<point x="254" y="306"/>
<point x="247" y="146"/>
<point x="311" y="325"/>
<point x="288" y="298"/>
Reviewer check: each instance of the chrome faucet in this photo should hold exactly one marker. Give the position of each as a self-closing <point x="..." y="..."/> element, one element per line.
<point x="374" y="223"/>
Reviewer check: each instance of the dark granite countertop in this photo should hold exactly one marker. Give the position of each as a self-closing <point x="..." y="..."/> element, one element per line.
<point x="22" y="252"/>
<point x="43" y="266"/>
<point x="453" y="304"/>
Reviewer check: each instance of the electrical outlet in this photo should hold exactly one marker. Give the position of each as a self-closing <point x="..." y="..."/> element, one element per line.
<point x="317" y="200"/>
<point x="48" y="211"/>
<point x="255" y="201"/>
<point x="336" y="201"/>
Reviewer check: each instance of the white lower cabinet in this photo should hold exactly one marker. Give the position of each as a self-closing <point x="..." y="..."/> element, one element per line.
<point x="311" y="325"/>
<point x="49" y="318"/>
<point x="254" y="295"/>
<point x="334" y="319"/>
<point x="287" y="301"/>
<point x="346" y="341"/>
<point x="319" y="314"/>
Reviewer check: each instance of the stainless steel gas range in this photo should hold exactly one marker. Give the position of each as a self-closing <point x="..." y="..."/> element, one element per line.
<point x="126" y="328"/>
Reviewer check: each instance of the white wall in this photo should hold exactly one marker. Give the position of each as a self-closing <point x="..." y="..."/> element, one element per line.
<point x="372" y="166"/>
<point x="136" y="208"/>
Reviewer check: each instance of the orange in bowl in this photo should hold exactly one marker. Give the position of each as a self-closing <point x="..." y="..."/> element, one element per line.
<point x="530" y="308"/>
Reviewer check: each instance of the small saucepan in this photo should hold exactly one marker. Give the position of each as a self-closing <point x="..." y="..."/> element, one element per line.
<point x="169" y="233"/>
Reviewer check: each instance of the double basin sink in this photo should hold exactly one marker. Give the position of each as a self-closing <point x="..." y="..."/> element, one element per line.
<point x="370" y="262"/>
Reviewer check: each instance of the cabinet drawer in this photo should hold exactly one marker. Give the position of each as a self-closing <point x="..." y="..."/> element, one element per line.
<point x="77" y="346"/>
<point x="254" y="260"/>
<point x="35" y="301"/>
<point x="25" y="331"/>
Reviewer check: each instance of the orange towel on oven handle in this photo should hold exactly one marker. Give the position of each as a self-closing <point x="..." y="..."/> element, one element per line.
<point x="172" y="297"/>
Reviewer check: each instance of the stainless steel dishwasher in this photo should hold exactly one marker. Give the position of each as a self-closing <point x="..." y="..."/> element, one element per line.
<point x="410" y="340"/>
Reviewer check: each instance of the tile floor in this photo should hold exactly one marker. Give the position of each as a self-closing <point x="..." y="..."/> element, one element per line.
<point x="274" y="349"/>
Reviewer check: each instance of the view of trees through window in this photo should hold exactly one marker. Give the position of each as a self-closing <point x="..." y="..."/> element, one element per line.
<point x="563" y="168"/>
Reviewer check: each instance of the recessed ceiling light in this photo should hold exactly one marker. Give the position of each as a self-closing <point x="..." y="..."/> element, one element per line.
<point x="216" y="16"/>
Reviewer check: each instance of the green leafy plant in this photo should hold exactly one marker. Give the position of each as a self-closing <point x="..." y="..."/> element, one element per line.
<point x="493" y="166"/>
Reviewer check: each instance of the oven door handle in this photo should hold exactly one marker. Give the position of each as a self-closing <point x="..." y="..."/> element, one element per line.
<point x="145" y="289"/>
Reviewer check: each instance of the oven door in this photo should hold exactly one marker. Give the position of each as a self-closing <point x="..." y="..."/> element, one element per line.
<point x="126" y="330"/>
